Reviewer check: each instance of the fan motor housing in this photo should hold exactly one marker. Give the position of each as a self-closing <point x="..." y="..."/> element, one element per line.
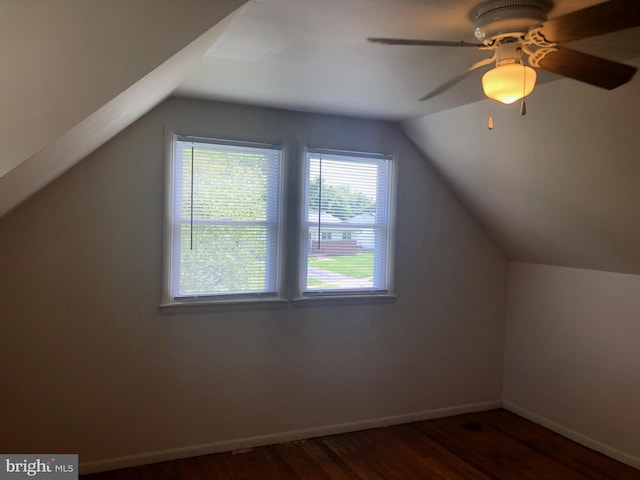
<point x="508" y="18"/>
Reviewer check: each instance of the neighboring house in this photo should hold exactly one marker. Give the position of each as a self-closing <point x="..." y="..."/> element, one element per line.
<point x="364" y="237"/>
<point x="336" y="236"/>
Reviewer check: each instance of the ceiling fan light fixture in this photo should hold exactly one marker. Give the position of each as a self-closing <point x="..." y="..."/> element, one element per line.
<point x="509" y="83"/>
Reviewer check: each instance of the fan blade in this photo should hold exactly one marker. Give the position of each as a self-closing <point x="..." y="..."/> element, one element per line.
<point x="455" y="80"/>
<point x="446" y="86"/>
<point x="587" y="68"/>
<point x="599" y="19"/>
<point x="430" y="43"/>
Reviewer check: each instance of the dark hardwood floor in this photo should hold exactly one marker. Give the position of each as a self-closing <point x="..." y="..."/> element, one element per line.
<point x="478" y="446"/>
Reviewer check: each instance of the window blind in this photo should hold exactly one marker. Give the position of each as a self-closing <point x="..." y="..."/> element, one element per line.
<point x="225" y="219"/>
<point x="346" y="235"/>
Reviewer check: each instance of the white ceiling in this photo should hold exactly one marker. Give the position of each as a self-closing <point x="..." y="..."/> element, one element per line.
<point x="312" y="55"/>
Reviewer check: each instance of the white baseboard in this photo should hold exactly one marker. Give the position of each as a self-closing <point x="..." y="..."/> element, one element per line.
<point x="235" y="444"/>
<point x="573" y="435"/>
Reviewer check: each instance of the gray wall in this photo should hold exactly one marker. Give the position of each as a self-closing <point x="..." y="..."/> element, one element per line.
<point x="90" y="364"/>
<point x="572" y="358"/>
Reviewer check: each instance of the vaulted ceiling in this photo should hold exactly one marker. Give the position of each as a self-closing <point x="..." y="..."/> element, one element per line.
<point x="313" y="55"/>
<point x="558" y="186"/>
<point x="75" y="73"/>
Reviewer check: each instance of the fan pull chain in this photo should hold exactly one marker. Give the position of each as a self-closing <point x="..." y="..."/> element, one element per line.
<point x="490" y="122"/>
<point x="523" y="106"/>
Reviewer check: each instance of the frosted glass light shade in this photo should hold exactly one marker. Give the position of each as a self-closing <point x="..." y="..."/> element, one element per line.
<point x="509" y="83"/>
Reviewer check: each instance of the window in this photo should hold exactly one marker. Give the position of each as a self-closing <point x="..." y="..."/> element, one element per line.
<point x="224" y="238"/>
<point x="347" y="200"/>
<point x="225" y="228"/>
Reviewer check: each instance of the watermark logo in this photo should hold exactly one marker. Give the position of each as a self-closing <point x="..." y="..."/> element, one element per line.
<point x="53" y="467"/>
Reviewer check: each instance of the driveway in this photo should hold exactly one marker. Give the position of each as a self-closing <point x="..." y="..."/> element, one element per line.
<point x="338" y="279"/>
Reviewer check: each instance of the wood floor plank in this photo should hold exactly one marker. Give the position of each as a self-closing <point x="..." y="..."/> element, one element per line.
<point x="441" y="461"/>
<point x="492" y="452"/>
<point x="328" y="462"/>
<point x="207" y="467"/>
<point x="594" y="465"/>
<point x="265" y="463"/>
<point x="355" y="452"/>
<point x="495" y="445"/>
<point x="307" y="461"/>
<point x="410" y="464"/>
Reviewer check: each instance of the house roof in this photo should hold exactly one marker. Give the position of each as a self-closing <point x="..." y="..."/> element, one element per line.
<point x="366" y="217"/>
<point x="324" y="217"/>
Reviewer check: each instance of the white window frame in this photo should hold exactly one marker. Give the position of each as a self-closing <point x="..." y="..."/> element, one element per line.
<point x="290" y="265"/>
<point x="303" y="232"/>
<point x="170" y="266"/>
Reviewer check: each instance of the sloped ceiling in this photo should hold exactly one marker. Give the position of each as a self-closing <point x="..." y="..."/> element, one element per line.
<point x="65" y="61"/>
<point x="560" y="186"/>
<point x="313" y="55"/>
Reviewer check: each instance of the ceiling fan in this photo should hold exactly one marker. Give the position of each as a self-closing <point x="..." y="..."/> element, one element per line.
<point x="520" y="36"/>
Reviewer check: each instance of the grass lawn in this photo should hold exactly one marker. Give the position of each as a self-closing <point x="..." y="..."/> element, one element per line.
<point x="359" y="265"/>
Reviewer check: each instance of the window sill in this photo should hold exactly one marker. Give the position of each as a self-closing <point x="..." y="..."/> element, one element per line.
<point x="343" y="300"/>
<point x="233" y="305"/>
<point x="223" y="305"/>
